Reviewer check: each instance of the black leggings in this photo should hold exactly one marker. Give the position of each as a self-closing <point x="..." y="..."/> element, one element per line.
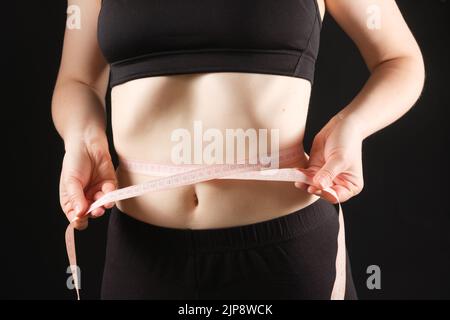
<point x="291" y="257"/>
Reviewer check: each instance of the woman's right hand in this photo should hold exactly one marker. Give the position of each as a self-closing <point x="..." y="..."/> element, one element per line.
<point x="87" y="174"/>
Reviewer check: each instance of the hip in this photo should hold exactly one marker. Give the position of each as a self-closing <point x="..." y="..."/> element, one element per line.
<point x="273" y="259"/>
<point x="214" y="204"/>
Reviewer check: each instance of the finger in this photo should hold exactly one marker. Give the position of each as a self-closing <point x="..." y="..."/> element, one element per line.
<point x="308" y="172"/>
<point x="320" y="193"/>
<point x="81" y="223"/>
<point x="106" y="188"/>
<point x="313" y="190"/>
<point x="316" y="153"/>
<point x="342" y="193"/>
<point x="70" y="214"/>
<point x="109" y="205"/>
<point x="67" y="208"/>
<point x="92" y="190"/>
<point x="332" y="167"/>
<point x="76" y="195"/>
<point x="96" y="213"/>
<point x="98" y="190"/>
<point x="301" y="186"/>
<point x="329" y="196"/>
<point x="345" y="192"/>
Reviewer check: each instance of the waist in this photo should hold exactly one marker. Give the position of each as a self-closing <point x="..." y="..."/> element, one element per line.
<point x="219" y="202"/>
<point x="148" y="112"/>
<point x="153" y="116"/>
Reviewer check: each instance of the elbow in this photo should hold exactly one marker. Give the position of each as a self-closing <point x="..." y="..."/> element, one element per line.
<point x="418" y="65"/>
<point x="422" y="72"/>
<point x="410" y="70"/>
<point x="414" y="75"/>
<point x="418" y="71"/>
<point x="416" y="68"/>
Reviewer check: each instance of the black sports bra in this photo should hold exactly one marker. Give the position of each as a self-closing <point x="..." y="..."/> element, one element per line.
<point x="144" y="38"/>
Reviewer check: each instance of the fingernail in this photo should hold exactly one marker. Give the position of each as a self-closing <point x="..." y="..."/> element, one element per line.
<point x="73" y="219"/>
<point x="318" y="192"/>
<point x="94" y="214"/>
<point x="77" y="209"/>
<point x="72" y="216"/>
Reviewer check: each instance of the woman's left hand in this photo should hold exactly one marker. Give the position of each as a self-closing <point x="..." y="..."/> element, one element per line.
<point x="336" y="160"/>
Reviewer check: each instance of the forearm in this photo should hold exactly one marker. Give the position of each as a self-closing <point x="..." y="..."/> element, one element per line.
<point x="78" y="112"/>
<point x="392" y="89"/>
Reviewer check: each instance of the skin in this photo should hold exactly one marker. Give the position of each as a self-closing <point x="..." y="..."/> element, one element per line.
<point x="145" y="111"/>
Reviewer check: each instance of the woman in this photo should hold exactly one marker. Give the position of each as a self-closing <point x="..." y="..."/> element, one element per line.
<point x="229" y="64"/>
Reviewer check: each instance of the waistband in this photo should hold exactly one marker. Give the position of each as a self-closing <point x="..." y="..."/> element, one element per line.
<point x="288" y="63"/>
<point x="153" y="237"/>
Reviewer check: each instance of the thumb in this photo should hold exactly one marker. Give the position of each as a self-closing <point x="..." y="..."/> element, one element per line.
<point x="332" y="167"/>
<point x="76" y="195"/>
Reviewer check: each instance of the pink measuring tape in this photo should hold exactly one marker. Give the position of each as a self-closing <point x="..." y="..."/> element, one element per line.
<point x="173" y="176"/>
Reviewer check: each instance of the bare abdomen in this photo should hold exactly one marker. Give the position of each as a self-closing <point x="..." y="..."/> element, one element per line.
<point x="147" y="112"/>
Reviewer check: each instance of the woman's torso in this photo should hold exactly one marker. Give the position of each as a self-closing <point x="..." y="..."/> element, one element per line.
<point x="146" y="111"/>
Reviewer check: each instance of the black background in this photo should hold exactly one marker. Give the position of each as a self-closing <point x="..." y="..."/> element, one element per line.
<point x="401" y="221"/>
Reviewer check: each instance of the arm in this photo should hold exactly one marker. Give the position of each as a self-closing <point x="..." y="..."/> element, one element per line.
<point x="397" y="77"/>
<point x="79" y="115"/>
<point x="78" y="98"/>
<point x="393" y="58"/>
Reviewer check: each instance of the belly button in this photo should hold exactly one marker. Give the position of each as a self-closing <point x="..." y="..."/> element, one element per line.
<point x="195" y="199"/>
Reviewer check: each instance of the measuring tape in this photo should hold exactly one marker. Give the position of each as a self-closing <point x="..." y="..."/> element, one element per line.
<point x="173" y="176"/>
